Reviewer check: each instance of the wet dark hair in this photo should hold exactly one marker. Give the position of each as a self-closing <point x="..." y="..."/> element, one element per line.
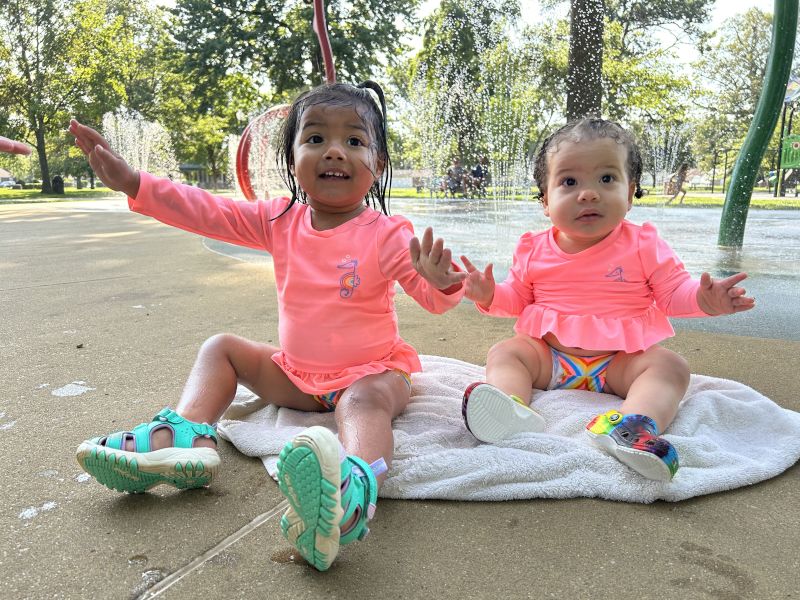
<point x="592" y="129"/>
<point x="372" y="112"/>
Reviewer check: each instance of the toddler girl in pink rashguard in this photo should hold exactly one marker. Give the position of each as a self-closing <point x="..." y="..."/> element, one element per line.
<point x="336" y="262"/>
<point x="592" y="295"/>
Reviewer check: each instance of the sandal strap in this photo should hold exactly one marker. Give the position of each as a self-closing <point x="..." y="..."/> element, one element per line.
<point x="359" y="495"/>
<point x="184" y="432"/>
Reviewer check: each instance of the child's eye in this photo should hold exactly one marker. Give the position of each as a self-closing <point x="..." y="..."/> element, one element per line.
<point x="314" y="139"/>
<point x="568" y="181"/>
<point x="354" y="141"/>
<point x="607" y="179"/>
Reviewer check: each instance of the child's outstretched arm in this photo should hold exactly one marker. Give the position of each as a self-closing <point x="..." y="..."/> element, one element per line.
<point x="13" y="147"/>
<point x="434" y="262"/>
<point x="480" y="285"/>
<point x="723" y="296"/>
<point x="110" y="167"/>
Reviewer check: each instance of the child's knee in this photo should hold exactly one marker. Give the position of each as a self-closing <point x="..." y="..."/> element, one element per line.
<point x="515" y="349"/>
<point x="383" y="395"/>
<point x="672" y="365"/>
<point x="217" y="341"/>
<point x="221" y="343"/>
<point x="503" y="351"/>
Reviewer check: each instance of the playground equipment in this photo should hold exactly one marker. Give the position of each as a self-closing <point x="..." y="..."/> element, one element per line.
<point x="258" y="137"/>
<point x="737" y="200"/>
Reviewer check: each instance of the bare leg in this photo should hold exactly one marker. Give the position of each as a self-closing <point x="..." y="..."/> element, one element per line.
<point x="364" y="416"/>
<point x="223" y="361"/>
<point x="518" y="365"/>
<point x="653" y="383"/>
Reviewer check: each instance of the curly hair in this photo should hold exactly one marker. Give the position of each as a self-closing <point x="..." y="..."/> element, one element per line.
<point x="592" y="129"/>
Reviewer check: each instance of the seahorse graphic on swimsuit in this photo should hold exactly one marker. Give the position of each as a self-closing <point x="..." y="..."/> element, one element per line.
<point x="349" y="281"/>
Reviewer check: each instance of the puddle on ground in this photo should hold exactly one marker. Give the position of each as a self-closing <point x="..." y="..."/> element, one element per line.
<point x="149" y="579"/>
<point x="32" y="511"/>
<point x="76" y="388"/>
<point x="288" y="556"/>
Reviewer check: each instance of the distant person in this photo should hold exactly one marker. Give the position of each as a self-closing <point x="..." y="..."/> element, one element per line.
<point x="11" y="147"/>
<point x="592" y="295"/>
<point x="338" y="256"/>
<point x="677" y="181"/>
<point x="455" y="177"/>
<point x="479" y="175"/>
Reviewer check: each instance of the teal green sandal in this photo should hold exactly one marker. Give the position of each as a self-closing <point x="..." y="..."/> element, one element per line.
<point x="325" y="489"/>
<point x="181" y="466"/>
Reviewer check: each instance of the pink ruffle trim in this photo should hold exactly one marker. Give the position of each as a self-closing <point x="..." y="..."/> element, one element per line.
<point x="629" y="334"/>
<point x="402" y="357"/>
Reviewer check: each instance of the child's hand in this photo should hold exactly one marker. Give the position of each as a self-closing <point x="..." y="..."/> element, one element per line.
<point x="109" y="166"/>
<point x="722" y="296"/>
<point x="434" y="262"/>
<point x="480" y="285"/>
<point x="13" y="147"/>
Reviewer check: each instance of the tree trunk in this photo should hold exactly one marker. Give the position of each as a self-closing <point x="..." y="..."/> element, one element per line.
<point x="584" y="76"/>
<point x="47" y="187"/>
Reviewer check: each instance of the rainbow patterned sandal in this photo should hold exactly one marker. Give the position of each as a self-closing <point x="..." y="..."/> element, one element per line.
<point x="492" y="415"/>
<point x="634" y="441"/>
<point x="181" y="465"/>
<point x="325" y="489"/>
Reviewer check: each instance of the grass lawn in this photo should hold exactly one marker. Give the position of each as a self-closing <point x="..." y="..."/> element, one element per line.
<point x="691" y="200"/>
<point x="21" y="196"/>
<point x="25" y="196"/>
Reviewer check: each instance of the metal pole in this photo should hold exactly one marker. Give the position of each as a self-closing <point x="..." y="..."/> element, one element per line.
<point x="737" y="200"/>
<point x="713" y="171"/>
<point x="778" y="170"/>
<point x="321" y="29"/>
<point x="725" y="171"/>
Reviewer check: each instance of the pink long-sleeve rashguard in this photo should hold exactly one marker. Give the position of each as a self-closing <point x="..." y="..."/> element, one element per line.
<point x="615" y="295"/>
<point x="336" y="314"/>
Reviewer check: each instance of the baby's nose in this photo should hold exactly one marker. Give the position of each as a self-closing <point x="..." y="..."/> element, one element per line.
<point x="588" y="194"/>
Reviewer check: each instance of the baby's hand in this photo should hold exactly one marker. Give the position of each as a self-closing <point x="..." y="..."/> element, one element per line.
<point x="110" y="167"/>
<point x="722" y="296"/>
<point x="480" y="285"/>
<point x="434" y="262"/>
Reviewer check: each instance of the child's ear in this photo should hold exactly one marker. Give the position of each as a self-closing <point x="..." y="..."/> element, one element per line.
<point x="379" y="168"/>
<point x="545" y="204"/>
<point x="631" y="192"/>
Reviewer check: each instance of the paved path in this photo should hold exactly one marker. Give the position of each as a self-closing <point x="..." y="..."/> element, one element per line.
<point x="102" y="314"/>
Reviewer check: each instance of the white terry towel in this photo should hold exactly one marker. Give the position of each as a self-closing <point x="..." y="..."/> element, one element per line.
<point x="726" y="434"/>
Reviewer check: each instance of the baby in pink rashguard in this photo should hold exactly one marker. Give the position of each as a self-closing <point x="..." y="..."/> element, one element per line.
<point x="591" y="296"/>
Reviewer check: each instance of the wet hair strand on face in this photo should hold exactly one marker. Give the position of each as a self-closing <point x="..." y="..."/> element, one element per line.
<point x="589" y="129"/>
<point x="373" y="114"/>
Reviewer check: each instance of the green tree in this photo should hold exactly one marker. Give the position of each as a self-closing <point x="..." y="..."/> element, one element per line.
<point x="200" y="124"/>
<point x="585" y="67"/>
<point x="633" y="24"/>
<point x="468" y="87"/>
<point x="58" y="58"/>
<point x="732" y="68"/>
<point x="273" y="41"/>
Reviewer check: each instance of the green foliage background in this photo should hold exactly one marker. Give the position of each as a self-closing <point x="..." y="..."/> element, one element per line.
<point x="204" y="68"/>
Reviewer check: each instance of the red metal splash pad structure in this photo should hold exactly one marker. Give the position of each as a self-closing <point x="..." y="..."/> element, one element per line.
<point x="253" y="133"/>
